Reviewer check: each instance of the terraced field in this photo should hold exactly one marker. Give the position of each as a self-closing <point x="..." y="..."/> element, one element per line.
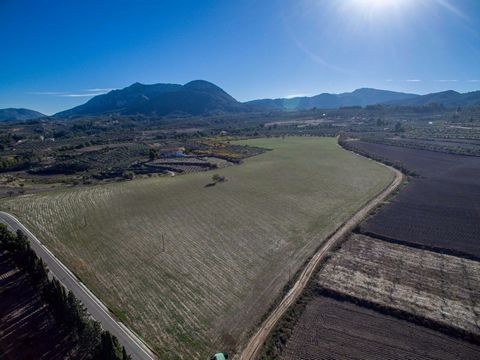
<point x="439" y="287"/>
<point x="227" y="250"/>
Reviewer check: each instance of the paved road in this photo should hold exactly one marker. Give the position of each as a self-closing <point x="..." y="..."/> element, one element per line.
<point x="255" y="344"/>
<point x="134" y="346"/>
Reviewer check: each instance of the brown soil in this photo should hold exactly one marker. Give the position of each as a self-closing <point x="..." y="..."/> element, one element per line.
<point x="331" y="329"/>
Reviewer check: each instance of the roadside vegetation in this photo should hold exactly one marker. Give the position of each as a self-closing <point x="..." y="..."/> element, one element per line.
<point x="86" y="338"/>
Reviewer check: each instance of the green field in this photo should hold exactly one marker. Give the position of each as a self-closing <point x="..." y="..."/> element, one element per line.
<point x="228" y="248"/>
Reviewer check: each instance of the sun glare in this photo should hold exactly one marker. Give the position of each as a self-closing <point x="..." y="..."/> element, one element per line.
<point x="376" y="11"/>
<point x="378" y="5"/>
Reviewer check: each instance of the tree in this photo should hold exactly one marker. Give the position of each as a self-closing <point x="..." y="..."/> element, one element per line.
<point x="128" y="175"/>
<point x="125" y="356"/>
<point x="109" y="347"/>
<point x="399" y="127"/>
<point x="218" y="178"/>
<point x="152" y="154"/>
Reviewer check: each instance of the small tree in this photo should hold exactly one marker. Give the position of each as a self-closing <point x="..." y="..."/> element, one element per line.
<point x="125" y="356"/>
<point x="152" y="154"/>
<point x="128" y="175"/>
<point x="218" y="178"/>
<point x="399" y="127"/>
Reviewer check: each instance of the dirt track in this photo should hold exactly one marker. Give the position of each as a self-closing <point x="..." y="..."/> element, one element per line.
<point x="252" y="349"/>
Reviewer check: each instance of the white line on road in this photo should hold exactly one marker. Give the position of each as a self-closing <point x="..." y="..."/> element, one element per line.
<point x="132" y="343"/>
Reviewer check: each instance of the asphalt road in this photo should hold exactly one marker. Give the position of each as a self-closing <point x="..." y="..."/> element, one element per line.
<point x="134" y="346"/>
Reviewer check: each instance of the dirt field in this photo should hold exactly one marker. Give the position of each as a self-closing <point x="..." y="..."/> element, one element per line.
<point x="439" y="287"/>
<point x="332" y="329"/>
<point x="440" y="208"/>
<point x="228" y="249"/>
<point x="27" y="328"/>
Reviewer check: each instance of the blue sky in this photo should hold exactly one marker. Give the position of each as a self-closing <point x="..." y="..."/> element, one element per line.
<point x="57" y="54"/>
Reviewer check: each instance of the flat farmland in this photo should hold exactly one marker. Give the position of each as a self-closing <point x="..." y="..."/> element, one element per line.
<point x="430" y="285"/>
<point x="193" y="268"/>
<point x="332" y="329"/>
<point x="439" y="208"/>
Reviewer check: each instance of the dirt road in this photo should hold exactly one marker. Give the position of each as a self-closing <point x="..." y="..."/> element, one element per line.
<point x="252" y="350"/>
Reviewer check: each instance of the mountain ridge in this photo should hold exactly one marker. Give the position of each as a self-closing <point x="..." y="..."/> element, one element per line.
<point x="200" y="97"/>
<point x="8" y="114"/>
<point x="358" y="97"/>
<point x="196" y="97"/>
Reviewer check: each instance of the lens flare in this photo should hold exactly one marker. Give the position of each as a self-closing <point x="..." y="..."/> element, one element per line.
<point x="378" y="5"/>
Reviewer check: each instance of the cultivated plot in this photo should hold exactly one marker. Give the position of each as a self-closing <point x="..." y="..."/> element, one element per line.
<point x="332" y="329"/>
<point x="192" y="268"/>
<point x="438" y="287"/>
<point x="439" y="208"/>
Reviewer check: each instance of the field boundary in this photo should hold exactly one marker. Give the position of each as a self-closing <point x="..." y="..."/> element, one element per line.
<point x="424" y="321"/>
<point x="256" y="342"/>
<point x="435" y="249"/>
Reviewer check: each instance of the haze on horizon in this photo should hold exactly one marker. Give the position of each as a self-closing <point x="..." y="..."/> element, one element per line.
<point x="58" y="54"/>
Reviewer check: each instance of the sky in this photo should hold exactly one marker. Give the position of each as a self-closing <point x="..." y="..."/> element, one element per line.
<point x="58" y="54"/>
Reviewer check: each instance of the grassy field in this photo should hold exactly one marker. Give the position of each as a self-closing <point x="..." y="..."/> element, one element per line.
<point x="229" y="248"/>
<point x="440" y="287"/>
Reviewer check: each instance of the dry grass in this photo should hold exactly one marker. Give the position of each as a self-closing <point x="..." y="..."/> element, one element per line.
<point x="228" y="247"/>
<point x="439" y="287"/>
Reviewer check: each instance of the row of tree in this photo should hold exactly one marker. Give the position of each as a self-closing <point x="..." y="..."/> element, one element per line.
<point x="92" y="342"/>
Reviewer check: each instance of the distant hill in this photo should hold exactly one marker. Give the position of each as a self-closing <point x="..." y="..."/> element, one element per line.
<point x="19" y="114"/>
<point x="448" y="98"/>
<point x="359" y="97"/>
<point x="194" y="98"/>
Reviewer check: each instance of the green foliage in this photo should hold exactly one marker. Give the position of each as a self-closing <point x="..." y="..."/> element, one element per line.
<point x="66" y="308"/>
<point x="218" y="178"/>
<point x="152" y="154"/>
<point x="128" y="175"/>
<point x="399" y="127"/>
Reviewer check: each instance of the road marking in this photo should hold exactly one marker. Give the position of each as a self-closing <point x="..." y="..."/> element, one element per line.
<point x="13" y="222"/>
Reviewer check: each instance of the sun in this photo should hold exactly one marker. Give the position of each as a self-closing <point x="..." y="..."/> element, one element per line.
<point x="377" y="7"/>
<point x="377" y="3"/>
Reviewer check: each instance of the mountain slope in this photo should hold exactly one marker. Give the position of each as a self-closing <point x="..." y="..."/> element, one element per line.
<point x="359" y="97"/>
<point x="120" y="100"/>
<point x="194" y="98"/>
<point x="448" y="98"/>
<point x="19" y="114"/>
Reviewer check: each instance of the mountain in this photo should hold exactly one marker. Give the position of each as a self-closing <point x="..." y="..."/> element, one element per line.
<point x="19" y="114"/>
<point x="448" y="98"/>
<point x="202" y="97"/>
<point x="194" y="98"/>
<point x="359" y="97"/>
